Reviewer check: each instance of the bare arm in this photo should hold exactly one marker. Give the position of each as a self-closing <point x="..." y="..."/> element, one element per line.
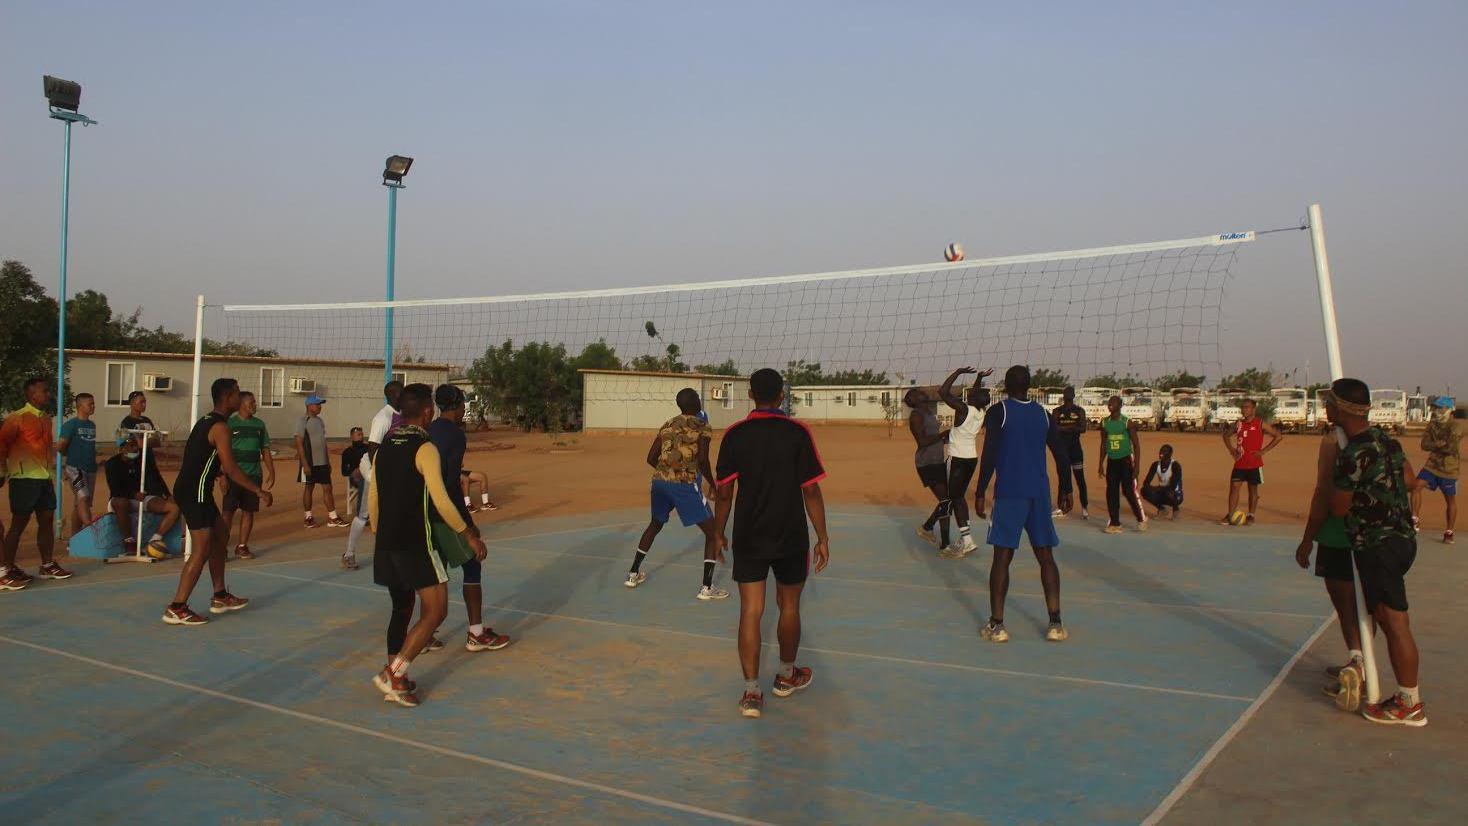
<point x="269" y="462"/>
<point x="704" y="467"/>
<point x="300" y="449"/>
<point x="960" y="409"/>
<point x="1230" y="441"/>
<point x="723" y="504"/>
<point x="61" y="445"/>
<point x="654" y="451"/>
<point x="815" y="508"/>
<point x="1319" y="498"/>
<point x="1275" y="437"/>
<point x="915" y="427"/>
<point x="372" y="497"/>
<point x="1136" y="434"/>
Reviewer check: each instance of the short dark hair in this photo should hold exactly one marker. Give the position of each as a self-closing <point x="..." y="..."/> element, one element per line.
<point x="81" y="397"/>
<point x="447" y="396"/>
<point x="221" y="387"/>
<point x="246" y="394"/>
<point x="415" y="399"/>
<point x="354" y="429"/>
<point x="392" y="388"/>
<point x="1167" y="448"/>
<point x="32" y="382"/>
<point x="1017" y="381"/>
<point x="688" y="401"/>
<point x="1351" y="390"/>
<point x="766" y="385"/>
<point x="134" y="395"/>
<point x="1247" y="400"/>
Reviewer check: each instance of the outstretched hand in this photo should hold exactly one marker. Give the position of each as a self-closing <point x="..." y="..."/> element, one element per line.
<point x="1302" y="554"/>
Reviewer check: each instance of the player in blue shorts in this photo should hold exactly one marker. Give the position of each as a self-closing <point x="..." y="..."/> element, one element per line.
<point x="1016" y="435"/>
<point x="679" y="457"/>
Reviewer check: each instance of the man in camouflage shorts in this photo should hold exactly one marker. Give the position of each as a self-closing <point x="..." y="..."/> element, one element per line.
<point x="1372" y="484"/>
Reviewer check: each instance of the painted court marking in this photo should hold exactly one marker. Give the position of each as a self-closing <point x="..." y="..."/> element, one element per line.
<point x="1003" y="672"/>
<point x="391" y="738"/>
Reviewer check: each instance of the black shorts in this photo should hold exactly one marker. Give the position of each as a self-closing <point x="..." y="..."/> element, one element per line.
<point x="1074" y="454"/>
<point x="237" y="498"/>
<point x="1333" y="563"/>
<point x="199" y="515"/>
<point x="408" y="570"/>
<point x="28" y="496"/>
<point x="1252" y="476"/>
<point x="789" y="570"/>
<point x="933" y="475"/>
<point x="960" y="474"/>
<point x="316" y="475"/>
<point x="1383" y="571"/>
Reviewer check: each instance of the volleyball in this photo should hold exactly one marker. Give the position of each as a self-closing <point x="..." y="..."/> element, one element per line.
<point x="1236" y="518"/>
<point x="953" y="252"/>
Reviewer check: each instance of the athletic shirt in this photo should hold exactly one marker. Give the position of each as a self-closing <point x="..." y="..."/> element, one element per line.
<point x="1164" y="474"/>
<point x="402" y="497"/>
<point x="1070" y="417"/>
<point x="1023" y="430"/>
<point x="1250" y="433"/>
<point x="963" y="438"/>
<point x="931" y="454"/>
<point x="200" y="463"/>
<point x="1118" y="437"/>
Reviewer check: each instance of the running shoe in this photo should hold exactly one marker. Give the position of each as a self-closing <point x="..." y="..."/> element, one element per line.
<point x="798" y="680"/>
<point x="1085" y="514"/>
<point x="1350" y="678"/>
<point x="129" y="545"/>
<point x="635" y="579"/>
<point x="226" y="603"/>
<point x="349" y="562"/>
<point x="158" y="549"/>
<point x="14" y="580"/>
<point x="183" y="616"/>
<point x="395" y="689"/>
<point x="1447" y="537"/>
<point x="1249" y="520"/>
<point x="337" y="522"/>
<point x="952" y="552"/>
<point x="994" y="632"/>
<point x="472" y="508"/>
<point x="1141" y="527"/>
<point x="243" y="552"/>
<point x="926" y="535"/>
<point x="1394" y="711"/>
<point x="709" y="592"/>
<point x="311" y="521"/>
<point x="490" y="506"/>
<point x="1057" y="513"/>
<point x="1112" y="529"/>
<point x="53" y="571"/>
<point x="487" y="641"/>
<point x="1416" y="525"/>
<point x="433" y="645"/>
<point x="751" y="704"/>
<point x="1056" y="633"/>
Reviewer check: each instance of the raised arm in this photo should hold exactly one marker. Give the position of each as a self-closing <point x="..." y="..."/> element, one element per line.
<point x="950" y="398"/>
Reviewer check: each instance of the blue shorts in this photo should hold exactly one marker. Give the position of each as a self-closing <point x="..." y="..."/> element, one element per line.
<point x="686" y="497"/>
<point x="1449" y="487"/>
<point x="1032" y="516"/>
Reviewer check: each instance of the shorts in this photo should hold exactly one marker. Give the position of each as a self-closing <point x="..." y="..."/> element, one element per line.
<point x="28" y="496"/>
<point x="199" y="516"/>
<point x="316" y="475"/>
<point x="237" y="498"/>
<point x="1383" y="570"/>
<point x="408" y="570"/>
<point x="82" y="483"/>
<point x="960" y="474"/>
<point x="789" y="570"/>
<point x="1334" y="563"/>
<point x="685" y="497"/>
<point x="1076" y="454"/>
<point x="933" y="475"/>
<point x="1011" y="516"/>
<point x="1449" y="487"/>
<point x="1252" y="476"/>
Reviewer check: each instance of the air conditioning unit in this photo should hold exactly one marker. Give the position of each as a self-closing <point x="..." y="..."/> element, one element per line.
<point x="157" y="383"/>
<point x="718" y="394"/>
<point x="300" y="384"/>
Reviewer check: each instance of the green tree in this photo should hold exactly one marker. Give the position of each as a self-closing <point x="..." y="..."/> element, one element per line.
<point x="1316" y="388"/>
<point x="535" y="386"/>
<point x="802" y="373"/>
<point x="27" y="332"/>
<point x="1048" y="377"/>
<point x="725" y="368"/>
<point x="1182" y="378"/>
<point x="1253" y="380"/>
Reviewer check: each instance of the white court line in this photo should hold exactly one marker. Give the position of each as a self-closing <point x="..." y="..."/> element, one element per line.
<point x="391" y="738"/>
<point x="836" y="652"/>
<point x="169" y="575"/>
<point x="1208" y="757"/>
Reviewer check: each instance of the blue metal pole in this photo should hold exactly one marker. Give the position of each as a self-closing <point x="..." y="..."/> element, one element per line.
<point x="61" y="308"/>
<point x="392" y="253"/>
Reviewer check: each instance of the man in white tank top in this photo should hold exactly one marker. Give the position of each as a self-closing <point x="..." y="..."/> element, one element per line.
<point x="963" y="452"/>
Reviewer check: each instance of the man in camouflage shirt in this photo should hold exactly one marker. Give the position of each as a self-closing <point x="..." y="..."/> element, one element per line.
<point x="1373" y="481"/>
<point x="679" y="457"/>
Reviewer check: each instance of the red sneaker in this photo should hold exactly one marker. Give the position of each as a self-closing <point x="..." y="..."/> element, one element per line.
<point x="183" y="615"/>
<point x="243" y="552"/>
<point x="311" y="521"/>
<point x="751" y="704"/>
<point x="53" y="571"/>
<point x="226" y="602"/>
<point x="797" y="681"/>
<point x="337" y="522"/>
<point x="487" y="641"/>
<point x="14" y="580"/>
<point x="1394" y="711"/>
<point x="395" y="689"/>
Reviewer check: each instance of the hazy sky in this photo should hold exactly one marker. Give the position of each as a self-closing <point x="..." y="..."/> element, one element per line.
<point x="591" y="144"/>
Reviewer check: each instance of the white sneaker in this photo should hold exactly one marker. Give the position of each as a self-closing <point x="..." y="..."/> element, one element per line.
<point x="994" y="632"/>
<point x="926" y="535"/>
<point x="1085" y="514"/>
<point x="1056" y="633"/>
<point x="634" y="580"/>
<point x="708" y="592"/>
<point x="1057" y="513"/>
<point x="1141" y="527"/>
<point x="951" y="552"/>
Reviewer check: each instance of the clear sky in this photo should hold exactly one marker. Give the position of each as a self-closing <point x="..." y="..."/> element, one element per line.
<point x="567" y="144"/>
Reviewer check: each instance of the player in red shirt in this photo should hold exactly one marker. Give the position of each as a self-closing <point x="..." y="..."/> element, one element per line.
<point x="1246" y="442"/>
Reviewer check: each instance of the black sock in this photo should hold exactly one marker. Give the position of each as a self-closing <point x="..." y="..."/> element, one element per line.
<point x="177" y="604"/>
<point x="995" y="620"/>
<point x="220" y="594"/>
<point x="637" y="560"/>
<point x="708" y="573"/>
<point x="1055" y="616"/>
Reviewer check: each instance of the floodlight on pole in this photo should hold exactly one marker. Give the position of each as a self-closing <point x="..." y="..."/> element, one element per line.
<point x="392" y="177"/>
<point x="62" y="98"/>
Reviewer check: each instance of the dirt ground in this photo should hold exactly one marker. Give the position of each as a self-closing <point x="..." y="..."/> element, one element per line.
<point x="534" y="474"/>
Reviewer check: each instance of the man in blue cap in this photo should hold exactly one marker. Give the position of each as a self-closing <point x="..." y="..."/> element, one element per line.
<point x="315" y="463"/>
<point x="1442" y="441"/>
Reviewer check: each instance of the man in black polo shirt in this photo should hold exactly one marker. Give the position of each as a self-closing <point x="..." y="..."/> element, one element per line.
<point x="774" y="462"/>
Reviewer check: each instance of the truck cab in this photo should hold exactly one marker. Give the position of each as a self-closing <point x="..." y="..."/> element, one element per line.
<point x="1291" y="408"/>
<point x="1189" y="410"/>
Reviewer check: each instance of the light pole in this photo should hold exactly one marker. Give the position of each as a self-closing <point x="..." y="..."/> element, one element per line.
<point x="392" y="177"/>
<point x="62" y="99"/>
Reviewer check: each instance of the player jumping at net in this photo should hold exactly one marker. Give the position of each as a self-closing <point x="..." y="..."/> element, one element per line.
<point x="206" y="454"/>
<point x="922" y="422"/>
<point x="963" y="451"/>
<point x="1121" y="447"/>
<point x="1245" y="442"/>
<point x="769" y="475"/>
<point x="1069" y="421"/>
<point x="406" y="478"/>
<point x="679" y="457"/>
<point x="1016" y="436"/>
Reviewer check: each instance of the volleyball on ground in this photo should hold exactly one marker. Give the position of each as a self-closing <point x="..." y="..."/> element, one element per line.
<point x="1236" y="518"/>
<point x="953" y="252"/>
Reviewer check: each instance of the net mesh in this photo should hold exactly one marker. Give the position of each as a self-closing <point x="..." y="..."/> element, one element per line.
<point x="1141" y="311"/>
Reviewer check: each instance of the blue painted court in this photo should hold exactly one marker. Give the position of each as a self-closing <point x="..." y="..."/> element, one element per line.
<point x="619" y="706"/>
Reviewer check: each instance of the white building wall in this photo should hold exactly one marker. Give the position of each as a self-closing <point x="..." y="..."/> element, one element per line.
<point x="643" y="401"/>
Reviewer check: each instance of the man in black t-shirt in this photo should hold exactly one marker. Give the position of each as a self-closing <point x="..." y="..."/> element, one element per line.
<point x="772" y="460"/>
<point x="1070" y="458"/>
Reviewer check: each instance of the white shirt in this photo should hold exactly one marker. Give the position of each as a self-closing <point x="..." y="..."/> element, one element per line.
<point x="963" y="438"/>
<point x="376" y="433"/>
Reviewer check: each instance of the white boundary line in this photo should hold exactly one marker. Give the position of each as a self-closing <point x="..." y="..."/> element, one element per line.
<point x="165" y="575"/>
<point x="734" y="283"/>
<point x="391" y="738"/>
<point x="1004" y="672"/>
<point x="1208" y="757"/>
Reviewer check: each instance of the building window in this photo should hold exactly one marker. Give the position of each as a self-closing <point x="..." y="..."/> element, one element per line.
<point x="272" y="387"/>
<point x="121" y="380"/>
<point x="810" y="399"/>
<point x="728" y="395"/>
<point x="851" y="398"/>
<point x="838" y="399"/>
<point x="400" y="377"/>
<point x="887" y="399"/>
